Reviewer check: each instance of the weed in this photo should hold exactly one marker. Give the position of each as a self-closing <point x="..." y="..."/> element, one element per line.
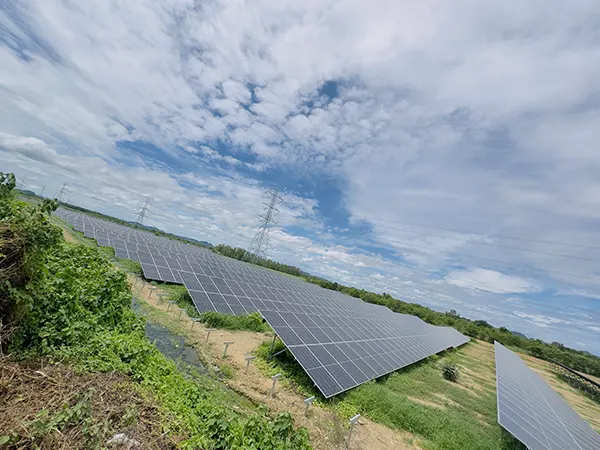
<point x="46" y="425"/>
<point x="251" y="322"/>
<point x="179" y="294"/>
<point x="226" y="370"/>
<point x="450" y="371"/>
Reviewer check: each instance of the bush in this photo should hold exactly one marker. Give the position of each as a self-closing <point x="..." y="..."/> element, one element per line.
<point x="181" y="296"/>
<point x="25" y="235"/>
<point x="251" y="322"/>
<point x="450" y="371"/>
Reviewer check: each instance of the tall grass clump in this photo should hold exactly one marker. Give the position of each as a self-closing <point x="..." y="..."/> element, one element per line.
<point x="250" y="322"/>
<point x="450" y="371"/>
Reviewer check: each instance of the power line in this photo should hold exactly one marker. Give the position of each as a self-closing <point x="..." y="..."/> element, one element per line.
<point x="259" y="246"/>
<point x="494" y="235"/>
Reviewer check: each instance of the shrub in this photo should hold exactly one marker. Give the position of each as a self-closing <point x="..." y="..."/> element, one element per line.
<point x="251" y="322"/>
<point x="25" y="235"/>
<point x="450" y="371"/>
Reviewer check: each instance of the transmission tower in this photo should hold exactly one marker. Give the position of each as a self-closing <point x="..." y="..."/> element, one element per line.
<point x="259" y="245"/>
<point x="143" y="211"/>
<point x="59" y="196"/>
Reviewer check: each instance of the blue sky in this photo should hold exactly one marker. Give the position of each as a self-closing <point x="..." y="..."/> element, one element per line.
<point x="444" y="152"/>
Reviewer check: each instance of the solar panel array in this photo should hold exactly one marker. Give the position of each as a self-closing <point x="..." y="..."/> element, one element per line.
<point x="339" y="340"/>
<point x="533" y="412"/>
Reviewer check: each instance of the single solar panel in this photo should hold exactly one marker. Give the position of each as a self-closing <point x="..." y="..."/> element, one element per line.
<point x="533" y="412"/>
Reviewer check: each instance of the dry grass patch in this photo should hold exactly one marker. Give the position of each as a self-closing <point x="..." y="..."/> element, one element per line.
<point x="51" y="407"/>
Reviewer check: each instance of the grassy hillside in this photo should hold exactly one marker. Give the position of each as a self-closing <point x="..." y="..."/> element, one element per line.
<point x="67" y="302"/>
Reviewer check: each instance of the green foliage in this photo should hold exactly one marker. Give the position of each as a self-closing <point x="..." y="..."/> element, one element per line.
<point x="25" y="235"/>
<point x="226" y="370"/>
<point x="180" y="295"/>
<point x="240" y="253"/>
<point x="81" y="295"/>
<point x="87" y="319"/>
<point x="293" y="376"/>
<point x="132" y="267"/>
<point x="450" y="371"/>
<point x="250" y="322"/>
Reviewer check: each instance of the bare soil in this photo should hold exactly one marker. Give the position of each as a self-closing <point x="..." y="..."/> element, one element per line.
<point x="28" y="389"/>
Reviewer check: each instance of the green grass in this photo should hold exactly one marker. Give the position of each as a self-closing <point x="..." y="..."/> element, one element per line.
<point x="179" y="294"/>
<point x="250" y="322"/>
<point x="293" y="376"/>
<point x="130" y="266"/>
<point x="417" y="399"/>
<point x="213" y="319"/>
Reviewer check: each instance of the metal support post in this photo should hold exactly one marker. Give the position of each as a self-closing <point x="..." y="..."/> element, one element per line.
<point x="274" y="378"/>
<point x="208" y="331"/>
<point x="308" y="402"/>
<point x="353" y="422"/>
<point x="171" y="303"/>
<point x="248" y="359"/>
<point x="226" y="344"/>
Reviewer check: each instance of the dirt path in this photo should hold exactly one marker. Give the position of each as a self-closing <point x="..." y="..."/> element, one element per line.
<point x="325" y="429"/>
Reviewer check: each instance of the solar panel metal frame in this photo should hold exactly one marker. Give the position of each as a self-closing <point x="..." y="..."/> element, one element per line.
<point x="535" y="414"/>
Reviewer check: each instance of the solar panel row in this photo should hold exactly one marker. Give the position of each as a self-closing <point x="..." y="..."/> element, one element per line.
<point x="339" y="340"/>
<point x="533" y="412"/>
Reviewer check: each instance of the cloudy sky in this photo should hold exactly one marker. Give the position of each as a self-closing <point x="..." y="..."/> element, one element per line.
<point x="446" y="152"/>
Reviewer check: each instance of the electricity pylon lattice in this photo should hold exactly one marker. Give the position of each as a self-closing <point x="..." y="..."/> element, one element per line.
<point x="59" y="196"/>
<point x="143" y="211"/>
<point x="259" y="246"/>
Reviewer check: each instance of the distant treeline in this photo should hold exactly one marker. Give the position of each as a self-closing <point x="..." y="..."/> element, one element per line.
<point x="480" y="329"/>
<point x="240" y="253"/>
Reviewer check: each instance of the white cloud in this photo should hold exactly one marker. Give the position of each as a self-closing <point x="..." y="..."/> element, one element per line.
<point x="542" y="321"/>
<point x="451" y="115"/>
<point x="490" y="281"/>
